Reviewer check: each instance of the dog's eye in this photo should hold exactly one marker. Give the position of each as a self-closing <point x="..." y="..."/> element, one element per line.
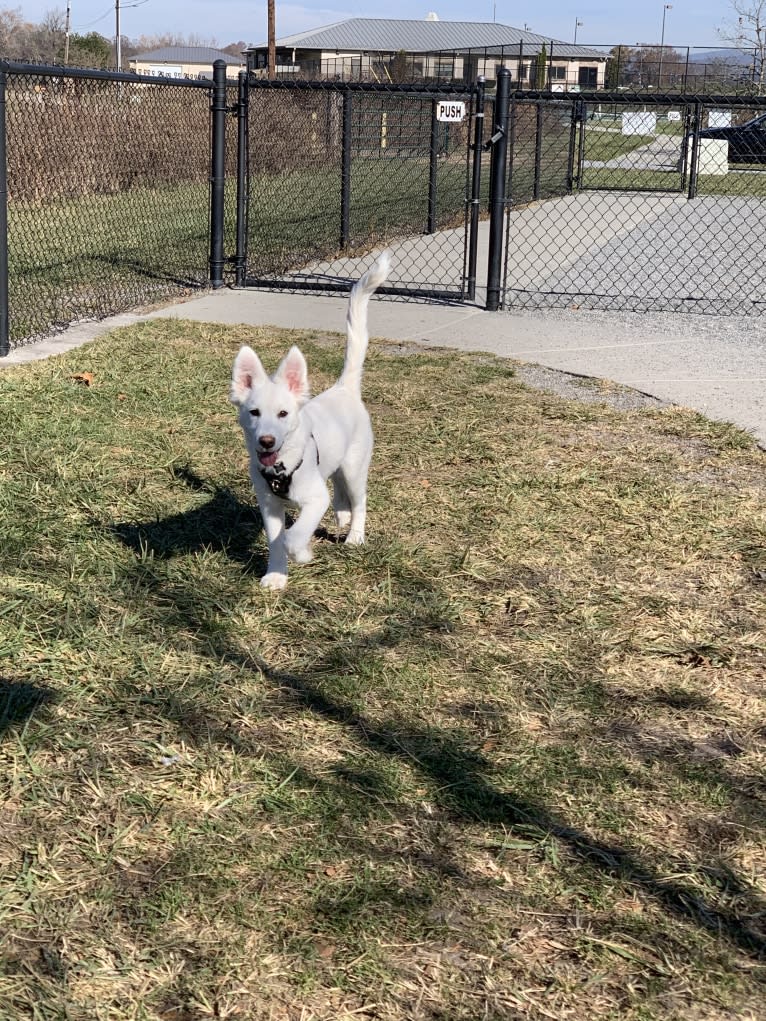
<point x="255" y="412"/>
<point x="282" y="414"/>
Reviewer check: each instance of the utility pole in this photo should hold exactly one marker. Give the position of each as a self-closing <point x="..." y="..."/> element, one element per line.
<point x="578" y="24"/>
<point x="665" y="9"/>
<point x="66" y="32"/>
<point x="117" y="37"/>
<point x="272" y="32"/>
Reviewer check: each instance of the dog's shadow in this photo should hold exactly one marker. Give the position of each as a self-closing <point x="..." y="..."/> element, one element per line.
<point x="224" y="523"/>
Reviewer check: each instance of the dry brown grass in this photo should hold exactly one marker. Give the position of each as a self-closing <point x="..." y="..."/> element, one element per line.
<point x="506" y="761"/>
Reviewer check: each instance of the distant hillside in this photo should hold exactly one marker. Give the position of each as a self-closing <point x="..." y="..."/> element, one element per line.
<point x="727" y="56"/>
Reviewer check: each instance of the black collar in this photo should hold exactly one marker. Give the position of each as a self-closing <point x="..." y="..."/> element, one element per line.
<point x="278" y="479"/>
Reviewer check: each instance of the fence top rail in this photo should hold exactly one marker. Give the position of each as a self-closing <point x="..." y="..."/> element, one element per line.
<point x="94" y="73"/>
<point x="411" y="88"/>
<point x="647" y="98"/>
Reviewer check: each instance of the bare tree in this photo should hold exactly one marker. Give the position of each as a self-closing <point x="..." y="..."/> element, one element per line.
<point x="158" y="42"/>
<point x="650" y="66"/>
<point x="236" y="49"/>
<point x="747" y="31"/>
<point x="11" y="26"/>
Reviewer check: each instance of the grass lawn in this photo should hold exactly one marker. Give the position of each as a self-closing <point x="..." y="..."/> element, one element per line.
<point x="505" y="761"/>
<point x="295" y="217"/>
<point x="607" y="145"/>
<point x="94" y="256"/>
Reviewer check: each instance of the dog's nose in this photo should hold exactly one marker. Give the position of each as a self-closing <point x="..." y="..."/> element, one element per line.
<point x="267" y="442"/>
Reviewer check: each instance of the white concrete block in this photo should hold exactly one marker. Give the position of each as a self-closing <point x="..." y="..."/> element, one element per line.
<point x="712" y="157"/>
<point x="639" y="122"/>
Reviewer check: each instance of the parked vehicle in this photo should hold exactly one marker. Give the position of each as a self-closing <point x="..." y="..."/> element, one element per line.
<point x="747" y="142"/>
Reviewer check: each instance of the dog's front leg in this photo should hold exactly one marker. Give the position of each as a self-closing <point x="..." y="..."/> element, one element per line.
<point x="273" y="514"/>
<point x="298" y="538"/>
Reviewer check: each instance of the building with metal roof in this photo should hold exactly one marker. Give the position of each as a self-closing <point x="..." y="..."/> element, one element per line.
<point x="184" y="62"/>
<point x="388" y="49"/>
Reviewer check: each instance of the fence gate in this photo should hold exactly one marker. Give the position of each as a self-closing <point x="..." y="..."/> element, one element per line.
<point x="636" y="202"/>
<point x="330" y="173"/>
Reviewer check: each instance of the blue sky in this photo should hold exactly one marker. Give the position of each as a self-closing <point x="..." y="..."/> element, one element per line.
<point x="688" y="23"/>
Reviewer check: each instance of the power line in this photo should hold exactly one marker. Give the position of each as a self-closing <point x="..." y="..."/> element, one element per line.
<point x="108" y="12"/>
<point x="96" y="21"/>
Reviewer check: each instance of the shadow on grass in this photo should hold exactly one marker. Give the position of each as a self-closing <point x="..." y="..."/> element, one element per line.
<point x="183" y="280"/>
<point x="19" y="700"/>
<point x="465" y="791"/>
<point x="224" y="524"/>
<point x="459" y="775"/>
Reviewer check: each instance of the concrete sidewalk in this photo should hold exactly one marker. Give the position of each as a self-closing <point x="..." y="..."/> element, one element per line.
<point x="716" y="365"/>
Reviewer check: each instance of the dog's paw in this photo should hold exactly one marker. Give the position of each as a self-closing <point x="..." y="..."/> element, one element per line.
<point x="274" y="581"/>
<point x="355" y="539"/>
<point x="343" y="518"/>
<point x="302" y="556"/>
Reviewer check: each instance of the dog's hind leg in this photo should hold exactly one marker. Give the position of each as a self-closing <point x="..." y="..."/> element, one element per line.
<point x="355" y="479"/>
<point x="341" y="502"/>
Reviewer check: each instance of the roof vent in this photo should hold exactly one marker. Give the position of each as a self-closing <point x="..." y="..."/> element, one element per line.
<point x="432" y="16"/>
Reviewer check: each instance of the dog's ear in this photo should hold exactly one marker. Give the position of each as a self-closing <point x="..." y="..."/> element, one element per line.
<point x="294" y="374"/>
<point x="247" y="373"/>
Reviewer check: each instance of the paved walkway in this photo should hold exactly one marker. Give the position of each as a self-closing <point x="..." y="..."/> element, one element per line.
<point x="662" y="153"/>
<point x="714" y="364"/>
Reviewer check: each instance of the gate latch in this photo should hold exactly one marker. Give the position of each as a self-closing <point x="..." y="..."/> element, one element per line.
<point x="494" y="139"/>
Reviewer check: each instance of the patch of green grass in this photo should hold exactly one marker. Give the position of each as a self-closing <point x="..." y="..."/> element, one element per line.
<point x="90" y="257"/>
<point x="607" y="145"/>
<point x="504" y="761"/>
<point x="737" y="183"/>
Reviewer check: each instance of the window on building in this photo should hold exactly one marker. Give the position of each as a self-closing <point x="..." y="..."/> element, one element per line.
<point x="587" y="77"/>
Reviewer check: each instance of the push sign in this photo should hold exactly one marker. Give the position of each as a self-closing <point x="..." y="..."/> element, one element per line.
<point x="448" y="110"/>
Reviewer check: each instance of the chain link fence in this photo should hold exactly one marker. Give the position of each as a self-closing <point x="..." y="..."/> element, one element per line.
<point x="107" y="194"/>
<point x="642" y="203"/>
<point x="121" y="191"/>
<point x="536" y="63"/>
<point x="338" y="171"/>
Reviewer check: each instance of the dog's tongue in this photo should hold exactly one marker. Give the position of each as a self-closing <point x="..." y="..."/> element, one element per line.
<point x="268" y="459"/>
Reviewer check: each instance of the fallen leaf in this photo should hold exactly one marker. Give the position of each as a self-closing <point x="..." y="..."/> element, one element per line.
<point x="86" y="378"/>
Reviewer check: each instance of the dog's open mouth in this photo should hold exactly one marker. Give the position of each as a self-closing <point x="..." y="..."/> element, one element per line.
<point x="268" y="458"/>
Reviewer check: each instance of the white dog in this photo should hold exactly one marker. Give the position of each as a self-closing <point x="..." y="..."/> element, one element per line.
<point x="295" y="444"/>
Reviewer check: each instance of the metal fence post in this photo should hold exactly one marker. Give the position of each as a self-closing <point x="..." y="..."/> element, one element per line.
<point x="475" y="200"/>
<point x="217" y="173"/>
<point x="433" y="166"/>
<point x="5" y="343"/>
<point x="345" y="173"/>
<point x="538" y="147"/>
<point x="573" y="176"/>
<point x="693" y="158"/>
<point x="499" y="164"/>
<point x="243" y="160"/>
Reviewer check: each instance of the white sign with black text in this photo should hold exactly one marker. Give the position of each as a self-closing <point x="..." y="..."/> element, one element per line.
<point x="450" y="111"/>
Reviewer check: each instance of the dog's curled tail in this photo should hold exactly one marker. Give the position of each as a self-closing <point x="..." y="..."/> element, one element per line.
<point x="356" y="321"/>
